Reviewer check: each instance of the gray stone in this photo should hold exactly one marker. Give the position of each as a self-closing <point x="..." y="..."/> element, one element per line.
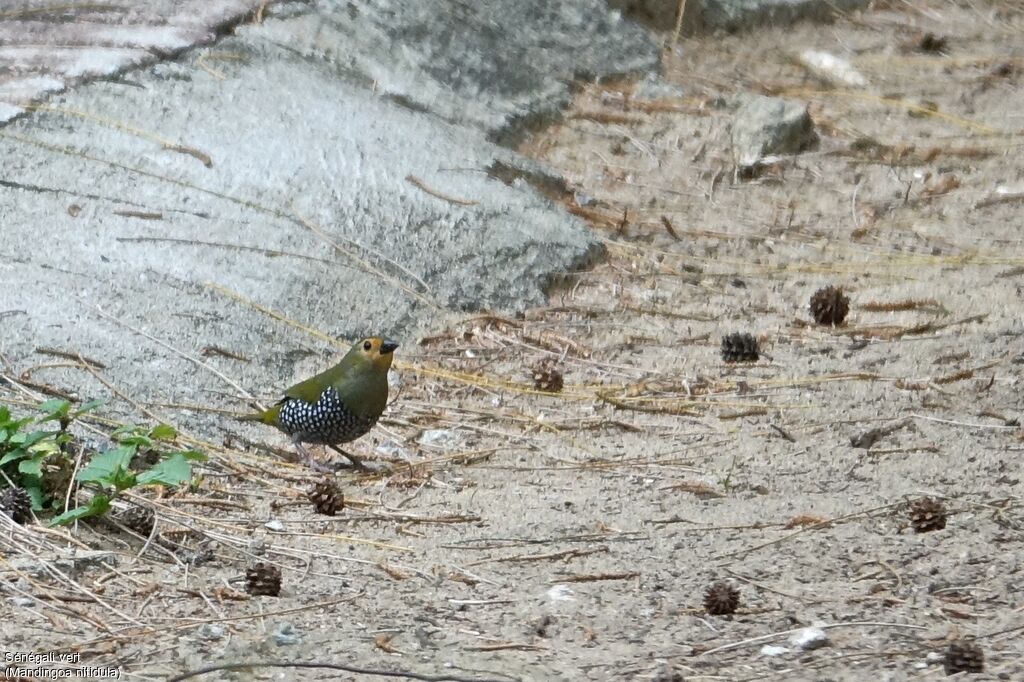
<point x="306" y="168"/>
<point x="733" y="15"/>
<point x="764" y="126"/>
<point x="211" y="632"/>
<point x="808" y="639"/>
<point x="286" y="634"/>
<point x="502" y="66"/>
<point x="46" y="47"/>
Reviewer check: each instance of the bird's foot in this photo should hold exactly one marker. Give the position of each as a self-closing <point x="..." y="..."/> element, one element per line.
<point x="357" y="463"/>
<point x="314" y="463"/>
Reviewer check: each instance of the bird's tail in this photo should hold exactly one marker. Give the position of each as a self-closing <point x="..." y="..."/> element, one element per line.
<point x="268" y="416"/>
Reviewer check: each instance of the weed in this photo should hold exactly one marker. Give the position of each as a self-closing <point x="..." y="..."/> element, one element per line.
<point x="41" y="460"/>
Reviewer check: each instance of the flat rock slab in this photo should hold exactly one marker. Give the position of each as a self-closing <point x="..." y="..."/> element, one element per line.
<point x="45" y="47"/>
<point x="502" y="66"/>
<point x="733" y="15"/>
<point x="152" y="221"/>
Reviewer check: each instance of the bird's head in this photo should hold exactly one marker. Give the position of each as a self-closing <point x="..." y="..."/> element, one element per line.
<point x="373" y="353"/>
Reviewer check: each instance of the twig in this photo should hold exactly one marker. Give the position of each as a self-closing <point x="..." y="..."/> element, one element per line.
<point x="70" y="355"/>
<point x="868" y="438"/>
<point x="827" y="626"/>
<point x="823" y="524"/>
<point x="679" y="23"/>
<point x="959" y="423"/>
<point x="333" y="666"/>
<point x="183" y="354"/>
<point x="434" y="193"/>
<point x="521" y="558"/>
<point x="594" y="577"/>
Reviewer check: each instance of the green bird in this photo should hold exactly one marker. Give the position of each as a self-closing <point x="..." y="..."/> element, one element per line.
<point x="338" y="405"/>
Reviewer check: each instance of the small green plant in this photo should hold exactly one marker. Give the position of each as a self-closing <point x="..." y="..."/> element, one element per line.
<point x="111" y="472"/>
<point x="29" y="453"/>
<point x="32" y="458"/>
<point x="726" y="480"/>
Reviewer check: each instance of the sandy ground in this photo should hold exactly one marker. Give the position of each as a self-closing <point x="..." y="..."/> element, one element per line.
<point x="522" y="535"/>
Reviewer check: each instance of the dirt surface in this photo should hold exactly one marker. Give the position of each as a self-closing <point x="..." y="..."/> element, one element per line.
<point x="518" y="534"/>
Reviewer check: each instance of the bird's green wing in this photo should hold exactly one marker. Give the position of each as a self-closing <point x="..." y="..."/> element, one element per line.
<point x="310" y="389"/>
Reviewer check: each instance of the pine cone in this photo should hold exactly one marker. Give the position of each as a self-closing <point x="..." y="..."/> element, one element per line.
<point x="964" y="656"/>
<point x="138" y="518"/>
<point x="829" y="306"/>
<point x="546" y="377"/>
<point x="16" y="503"/>
<point x="263" y="579"/>
<point x="739" y="347"/>
<point x="721" y="599"/>
<point x="326" y="497"/>
<point x="927" y="514"/>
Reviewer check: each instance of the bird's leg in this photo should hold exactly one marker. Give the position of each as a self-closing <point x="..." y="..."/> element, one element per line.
<point x="356" y="462"/>
<point x="309" y="461"/>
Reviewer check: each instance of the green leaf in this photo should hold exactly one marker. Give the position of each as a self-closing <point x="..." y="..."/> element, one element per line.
<point x="34" y="487"/>
<point x="13" y="455"/>
<point x="27" y="440"/>
<point x="98" y="506"/>
<point x="163" y="432"/>
<point x="5" y="415"/>
<point x="106" y="467"/>
<point x="123" y="480"/>
<point x="174" y="470"/>
<point x="131" y="435"/>
<point x="135" y="441"/>
<point x="45" y="447"/>
<point x="32" y="466"/>
<point x="86" y="407"/>
<point x="54" y="409"/>
<point x="192" y="455"/>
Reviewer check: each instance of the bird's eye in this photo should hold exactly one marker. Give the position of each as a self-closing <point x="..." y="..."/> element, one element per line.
<point x="367" y="345"/>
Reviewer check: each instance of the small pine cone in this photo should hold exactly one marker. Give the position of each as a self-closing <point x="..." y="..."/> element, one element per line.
<point x="546" y="377"/>
<point x="138" y="518"/>
<point x="829" y="306"/>
<point x="16" y="503"/>
<point x="739" y="347"/>
<point x="927" y="514"/>
<point x="963" y="656"/>
<point x="326" y="497"/>
<point x="263" y="579"/>
<point x="721" y="599"/>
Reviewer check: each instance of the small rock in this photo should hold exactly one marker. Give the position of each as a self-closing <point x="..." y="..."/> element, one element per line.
<point x="286" y="635"/>
<point x="439" y="438"/>
<point x="831" y="68"/>
<point x="561" y="593"/>
<point x="809" y="639"/>
<point x="211" y="632"/>
<point x="274" y="525"/>
<point x="770" y="650"/>
<point x="765" y="126"/>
